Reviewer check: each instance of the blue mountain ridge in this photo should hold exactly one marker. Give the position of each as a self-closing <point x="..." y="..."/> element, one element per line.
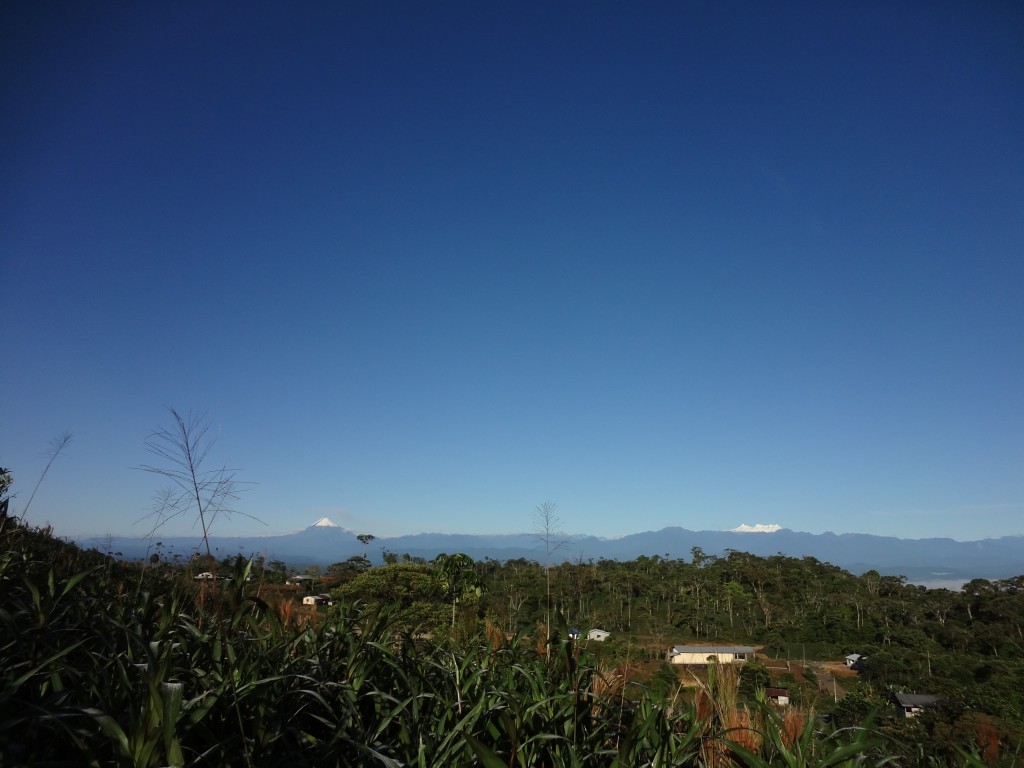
<point x="920" y="560"/>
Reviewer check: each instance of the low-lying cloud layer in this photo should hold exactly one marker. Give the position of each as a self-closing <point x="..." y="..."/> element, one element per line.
<point x="758" y="528"/>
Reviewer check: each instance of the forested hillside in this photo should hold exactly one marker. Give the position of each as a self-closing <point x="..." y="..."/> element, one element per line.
<point x="966" y="646"/>
<point x="458" y="662"/>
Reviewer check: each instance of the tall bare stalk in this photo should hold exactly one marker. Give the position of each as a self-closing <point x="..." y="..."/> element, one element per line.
<point x="193" y="489"/>
<point x="57" y="445"/>
<point x="547" y="532"/>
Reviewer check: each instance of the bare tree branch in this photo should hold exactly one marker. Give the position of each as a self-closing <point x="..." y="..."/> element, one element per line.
<point x="192" y="489"/>
<point x="547" y="531"/>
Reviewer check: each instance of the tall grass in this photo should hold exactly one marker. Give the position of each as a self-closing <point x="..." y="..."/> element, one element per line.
<point x="108" y="665"/>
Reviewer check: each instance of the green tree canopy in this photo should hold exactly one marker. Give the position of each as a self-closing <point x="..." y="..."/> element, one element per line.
<point x="410" y="589"/>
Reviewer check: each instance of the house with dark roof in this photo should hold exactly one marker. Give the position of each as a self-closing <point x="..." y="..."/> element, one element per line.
<point x="778" y="696"/>
<point x="913" y="704"/>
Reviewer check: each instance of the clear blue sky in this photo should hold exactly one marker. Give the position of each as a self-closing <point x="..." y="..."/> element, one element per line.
<point x="429" y="265"/>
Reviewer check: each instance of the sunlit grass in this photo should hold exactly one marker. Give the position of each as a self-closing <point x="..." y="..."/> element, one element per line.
<point x="109" y="665"/>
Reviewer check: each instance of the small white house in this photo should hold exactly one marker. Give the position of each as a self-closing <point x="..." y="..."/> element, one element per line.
<point x="599" y="635"/>
<point x="205" y="576"/>
<point x="854" y="661"/>
<point x="317" y="600"/>
<point x="702" y="655"/>
<point x="779" y="696"/>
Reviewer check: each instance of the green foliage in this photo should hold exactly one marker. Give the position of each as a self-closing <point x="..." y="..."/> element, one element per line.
<point x="348" y="569"/>
<point x="664" y="683"/>
<point x="753" y="678"/>
<point x="107" y="664"/>
<point x="802" y="747"/>
<point x="858" y="706"/>
<point x="456" y="580"/>
<point x="408" y="592"/>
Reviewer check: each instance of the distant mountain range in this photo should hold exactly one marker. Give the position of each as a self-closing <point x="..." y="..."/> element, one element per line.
<point x="922" y="561"/>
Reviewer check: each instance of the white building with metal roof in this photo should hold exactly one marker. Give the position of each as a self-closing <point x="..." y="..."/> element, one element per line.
<point x="702" y="655"/>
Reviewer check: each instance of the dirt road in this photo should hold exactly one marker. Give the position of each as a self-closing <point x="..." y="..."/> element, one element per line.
<point x="826" y="677"/>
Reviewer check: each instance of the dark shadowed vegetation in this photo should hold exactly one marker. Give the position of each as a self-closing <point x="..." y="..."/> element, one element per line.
<point x="109" y="663"/>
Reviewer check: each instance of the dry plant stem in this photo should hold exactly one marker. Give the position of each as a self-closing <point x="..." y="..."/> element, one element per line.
<point x="57" y="445"/>
<point x="206" y="493"/>
<point x="547" y="532"/>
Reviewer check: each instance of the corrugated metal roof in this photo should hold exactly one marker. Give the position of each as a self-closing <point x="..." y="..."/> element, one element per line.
<point x="916" y="699"/>
<point x="710" y="649"/>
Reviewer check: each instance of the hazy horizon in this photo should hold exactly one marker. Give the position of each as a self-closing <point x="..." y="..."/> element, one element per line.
<point x="217" y="532"/>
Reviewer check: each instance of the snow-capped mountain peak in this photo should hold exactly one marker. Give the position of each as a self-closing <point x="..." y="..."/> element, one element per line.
<point x="325" y="522"/>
